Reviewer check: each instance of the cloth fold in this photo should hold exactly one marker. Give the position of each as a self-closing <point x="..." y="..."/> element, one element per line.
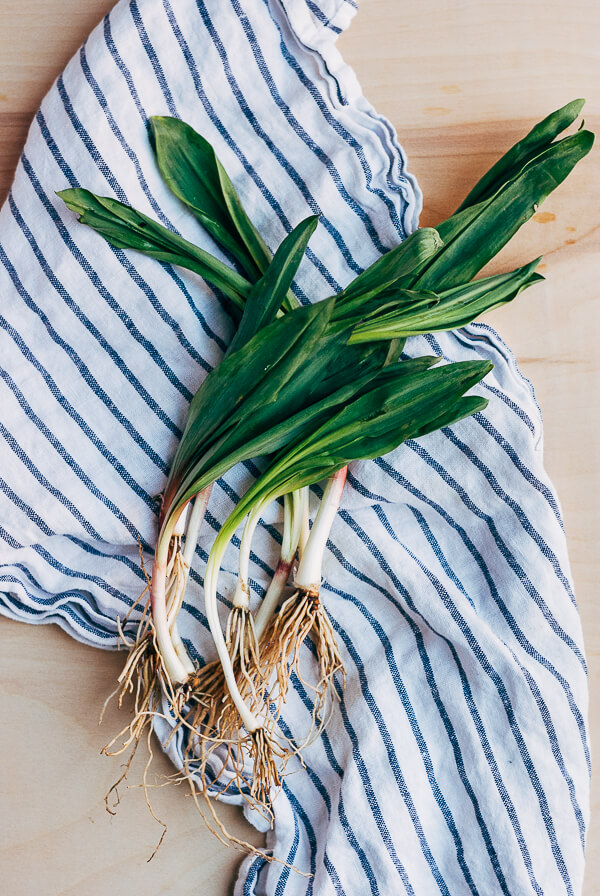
<point x="457" y="758"/>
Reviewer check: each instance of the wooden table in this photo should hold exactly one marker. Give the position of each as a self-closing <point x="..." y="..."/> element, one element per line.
<point x="460" y="82"/>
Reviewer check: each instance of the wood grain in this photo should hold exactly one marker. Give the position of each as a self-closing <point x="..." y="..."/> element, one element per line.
<point x="57" y="837"/>
<point x="460" y="82"/>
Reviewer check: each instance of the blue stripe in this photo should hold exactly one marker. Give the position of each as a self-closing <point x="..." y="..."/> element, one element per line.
<point x="368" y="786"/>
<point x="465" y="337"/>
<point x="89" y="548"/>
<point x="172" y="322"/>
<point x="479" y="727"/>
<point x="295" y="125"/>
<point x="69" y="460"/>
<point x="434" y="692"/>
<point x="310" y="706"/>
<point x="310" y="832"/>
<point x="92" y="274"/>
<point x="277" y="154"/>
<point x="320" y="787"/>
<point x="534" y="690"/>
<point x="121" y="256"/>
<point x="476" y="332"/>
<point x="84" y="263"/>
<point x="515" y="507"/>
<point x="332" y="874"/>
<point x="19" y="609"/>
<point x="402" y="693"/>
<point x="41" y="479"/>
<point x="317" y="12"/>
<point x="377" y="815"/>
<point x="285" y="873"/>
<point x="81" y="316"/>
<point x="85" y="599"/>
<point x="502" y="546"/>
<point x="507" y="447"/>
<point x="252" y="875"/>
<point x="420" y="740"/>
<point x="342" y="132"/>
<point x="118" y="134"/>
<point x="554" y="746"/>
<point x="50" y="560"/>
<point x="346" y="826"/>
<point x="81" y="367"/>
<point x="70" y="410"/>
<point x="355" y="844"/>
<point x="126" y="561"/>
<point x="501" y="689"/>
<point x="57" y="598"/>
<point x="510" y="714"/>
<point x="28" y="511"/>
<point x="511" y="621"/>
<point x="151" y="53"/>
<point x="514" y="407"/>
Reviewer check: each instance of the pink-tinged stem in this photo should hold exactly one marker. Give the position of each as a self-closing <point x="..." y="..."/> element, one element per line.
<point x="271" y="598"/>
<point x="294" y="507"/>
<point x="173" y="665"/>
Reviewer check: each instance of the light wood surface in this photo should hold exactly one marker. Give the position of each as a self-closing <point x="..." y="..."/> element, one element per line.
<point x="460" y="82"/>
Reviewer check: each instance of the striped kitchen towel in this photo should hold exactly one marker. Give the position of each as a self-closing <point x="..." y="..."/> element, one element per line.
<point x="457" y="760"/>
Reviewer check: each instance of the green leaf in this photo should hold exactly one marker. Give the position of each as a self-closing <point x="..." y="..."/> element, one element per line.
<point x="329" y="374"/>
<point x="192" y="171"/>
<point x="250" y="379"/>
<point x="298" y="426"/>
<point x="402" y="404"/>
<point x="268" y="441"/>
<point x="456" y="307"/>
<point x="268" y="294"/>
<point x="487" y="226"/>
<point x="384" y="273"/>
<point x="390" y="301"/>
<point x="126" y="228"/>
<point x="332" y="373"/>
<point x="512" y="162"/>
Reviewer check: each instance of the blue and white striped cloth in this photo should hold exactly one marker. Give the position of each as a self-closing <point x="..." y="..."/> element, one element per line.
<point x="457" y="760"/>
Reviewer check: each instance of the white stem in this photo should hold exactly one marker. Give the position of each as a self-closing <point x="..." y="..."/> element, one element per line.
<point x="305" y="525"/>
<point x="294" y="506"/>
<point x="174" y="591"/>
<point x="181" y="651"/>
<point x="249" y="720"/>
<point x="173" y="665"/>
<point x="271" y="598"/>
<point x="174" y="578"/>
<point x="194" y="522"/>
<point x="190" y="522"/>
<point x="180" y="525"/>
<point x="241" y="597"/>
<point x="308" y="577"/>
<point x="289" y="506"/>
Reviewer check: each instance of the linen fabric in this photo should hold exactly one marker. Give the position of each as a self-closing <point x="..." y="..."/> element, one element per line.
<point x="456" y="760"/>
